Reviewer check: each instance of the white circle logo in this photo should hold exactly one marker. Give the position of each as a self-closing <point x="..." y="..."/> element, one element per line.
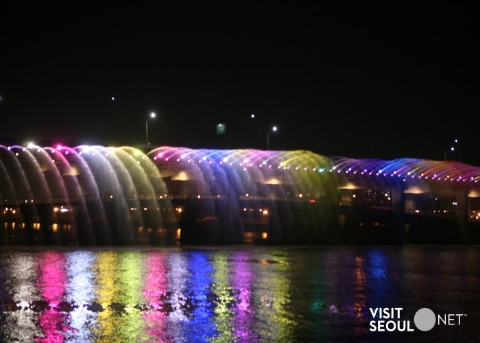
<point x="424" y="319"/>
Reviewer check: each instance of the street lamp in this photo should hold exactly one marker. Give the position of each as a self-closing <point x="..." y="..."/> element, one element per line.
<point x="152" y="115"/>
<point x="116" y="132"/>
<point x="259" y="129"/>
<point x="274" y="129"/>
<point x="452" y="149"/>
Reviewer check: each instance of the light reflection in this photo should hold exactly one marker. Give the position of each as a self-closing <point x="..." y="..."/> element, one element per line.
<point x="360" y="297"/>
<point x="107" y="295"/>
<point x="359" y="284"/>
<point x="51" y="280"/>
<point x="177" y="300"/>
<point x="201" y="327"/>
<point x="243" y="279"/>
<point x="152" y="296"/>
<point x="193" y="295"/>
<point x="272" y="299"/>
<point x="283" y="319"/>
<point x="20" y="322"/>
<point x="130" y="297"/>
<point x="80" y="293"/>
<point x="155" y="291"/>
<point x="224" y="297"/>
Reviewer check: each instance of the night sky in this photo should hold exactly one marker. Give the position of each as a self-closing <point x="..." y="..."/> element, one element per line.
<point x="359" y="79"/>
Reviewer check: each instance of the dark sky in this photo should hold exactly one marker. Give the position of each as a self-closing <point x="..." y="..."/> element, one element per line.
<point x="357" y="79"/>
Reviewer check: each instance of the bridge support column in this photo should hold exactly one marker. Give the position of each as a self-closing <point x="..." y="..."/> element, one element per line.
<point x="398" y="209"/>
<point x="462" y="213"/>
<point x="409" y="203"/>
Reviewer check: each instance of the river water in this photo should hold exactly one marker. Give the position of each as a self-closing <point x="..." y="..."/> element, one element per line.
<point x="238" y="294"/>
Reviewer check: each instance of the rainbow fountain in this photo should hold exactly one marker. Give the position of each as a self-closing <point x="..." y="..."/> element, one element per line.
<point x="95" y="195"/>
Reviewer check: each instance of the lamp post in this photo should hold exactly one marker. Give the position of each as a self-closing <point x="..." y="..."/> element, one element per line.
<point x="116" y="132"/>
<point x="274" y="129"/>
<point x="253" y="116"/>
<point x="452" y="149"/>
<point x="152" y="115"/>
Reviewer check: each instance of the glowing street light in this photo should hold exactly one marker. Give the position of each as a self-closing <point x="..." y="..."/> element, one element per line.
<point x="274" y="129"/>
<point x="452" y="149"/>
<point x="254" y="117"/>
<point x="152" y="115"/>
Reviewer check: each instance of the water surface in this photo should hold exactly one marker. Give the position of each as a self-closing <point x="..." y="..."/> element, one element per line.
<point x="234" y="294"/>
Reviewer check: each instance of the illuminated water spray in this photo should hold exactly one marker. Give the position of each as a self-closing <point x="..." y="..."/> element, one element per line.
<point x="83" y="195"/>
<point x="95" y="195"/>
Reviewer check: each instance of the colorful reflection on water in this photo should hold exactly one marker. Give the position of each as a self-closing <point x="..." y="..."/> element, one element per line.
<point x="230" y="295"/>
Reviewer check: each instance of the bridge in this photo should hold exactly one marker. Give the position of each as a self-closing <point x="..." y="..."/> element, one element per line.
<point x="94" y="195"/>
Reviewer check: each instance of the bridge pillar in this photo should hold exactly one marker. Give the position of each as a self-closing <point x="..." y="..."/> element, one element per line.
<point x="409" y="203"/>
<point x="462" y="212"/>
<point x="398" y="209"/>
